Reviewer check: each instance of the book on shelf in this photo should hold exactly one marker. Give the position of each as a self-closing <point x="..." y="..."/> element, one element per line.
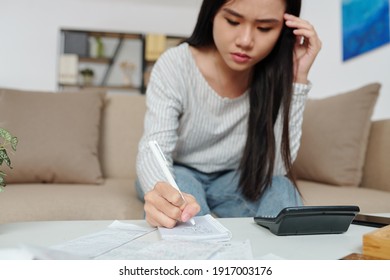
<point x="68" y="69"/>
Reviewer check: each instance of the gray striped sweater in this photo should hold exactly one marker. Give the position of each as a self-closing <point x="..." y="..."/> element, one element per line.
<point x="197" y="127"/>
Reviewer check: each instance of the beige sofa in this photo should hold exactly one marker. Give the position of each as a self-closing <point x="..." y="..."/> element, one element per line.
<point x="113" y="195"/>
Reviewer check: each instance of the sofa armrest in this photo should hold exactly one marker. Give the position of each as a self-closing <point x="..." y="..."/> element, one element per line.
<point x="376" y="170"/>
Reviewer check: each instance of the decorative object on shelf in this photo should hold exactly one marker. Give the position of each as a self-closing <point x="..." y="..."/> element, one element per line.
<point x="155" y="45"/>
<point x="87" y="74"/>
<point x="68" y="72"/>
<point x="76" y="42"/>
<point x="99" y="47"/>
<point x="6" y="140"/>
<point x="147" y="72"/>
<point x="128" y="69"/>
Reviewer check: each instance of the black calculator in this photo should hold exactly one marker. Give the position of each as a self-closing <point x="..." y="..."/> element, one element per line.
<point x="304" y="220"/>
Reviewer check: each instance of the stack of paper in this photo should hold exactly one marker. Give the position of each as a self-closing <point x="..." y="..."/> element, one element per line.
<point x="99" y="243"/>
<point x="206" y="228"/>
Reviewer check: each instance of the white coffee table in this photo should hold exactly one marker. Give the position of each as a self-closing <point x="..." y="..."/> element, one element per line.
<point x="264" y="243"/>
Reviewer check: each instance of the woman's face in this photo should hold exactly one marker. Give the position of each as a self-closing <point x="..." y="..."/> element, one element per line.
<point x="245" y="31"/>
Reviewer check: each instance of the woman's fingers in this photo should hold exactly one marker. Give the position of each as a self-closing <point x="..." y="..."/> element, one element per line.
<point x="307" y="47"/>
<point x="304" y="29"/>
<point x="164" y="206"/>
<point x="156" y="218"/>
<point x="190" y="209"/>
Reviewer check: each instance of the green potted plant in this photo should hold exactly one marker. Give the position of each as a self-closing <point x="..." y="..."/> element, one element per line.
<point x="6" y="141"/>
<point x="87" y="74"/>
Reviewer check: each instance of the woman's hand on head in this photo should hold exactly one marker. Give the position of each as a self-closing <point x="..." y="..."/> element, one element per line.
<point x="304" y="52"/>
<point x="164" y="206"/>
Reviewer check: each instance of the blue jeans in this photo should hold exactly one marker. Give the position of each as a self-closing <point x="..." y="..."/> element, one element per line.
<point x="218" y="193"/>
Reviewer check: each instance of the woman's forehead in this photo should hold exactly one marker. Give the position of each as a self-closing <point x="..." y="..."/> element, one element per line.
<point x="257" y="8"/>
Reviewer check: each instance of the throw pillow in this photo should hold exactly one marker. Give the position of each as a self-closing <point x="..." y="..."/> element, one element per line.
<point x="335" y="134"/>
<point x="58" y="135"/>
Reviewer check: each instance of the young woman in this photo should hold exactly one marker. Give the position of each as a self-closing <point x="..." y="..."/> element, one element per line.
<point x="226" y="108"/>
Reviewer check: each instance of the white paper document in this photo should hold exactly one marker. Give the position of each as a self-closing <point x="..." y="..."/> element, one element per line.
<point x="163" y="250"/>
<point x="119" y="241"/>
<point x="96" y="244"/>
<point x="206" y="228"/>
<point x="237" y="250"/>
<point x="180" y="250"/>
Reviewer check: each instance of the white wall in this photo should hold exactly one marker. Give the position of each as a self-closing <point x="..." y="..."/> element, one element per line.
<point x="29" y="31"/>
<point x="29" y="40"/>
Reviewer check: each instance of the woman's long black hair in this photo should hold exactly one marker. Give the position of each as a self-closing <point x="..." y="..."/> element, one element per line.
<point x="270" y="91"/>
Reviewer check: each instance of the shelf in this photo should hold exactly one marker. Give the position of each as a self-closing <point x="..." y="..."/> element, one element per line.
<point x="123" y="57"/>
<point x="112" y="87"/>
<point x="102" y="60"/>
<point x="114" y="35"/>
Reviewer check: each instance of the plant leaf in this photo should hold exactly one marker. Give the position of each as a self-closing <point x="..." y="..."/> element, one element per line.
<point x="2" y="182"/>
<point x="14" y="143"/>
<point x="4" y="157"/>
<point x="1" y="158"/>
<point x="5" y="134"/>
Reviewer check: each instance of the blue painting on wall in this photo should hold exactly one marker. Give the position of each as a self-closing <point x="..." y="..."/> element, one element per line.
<point x="365" y="26"/>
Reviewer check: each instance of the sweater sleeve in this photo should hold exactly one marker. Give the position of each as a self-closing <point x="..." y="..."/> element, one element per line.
<point x="300" y="93"/>
<point x="160" y="124"/>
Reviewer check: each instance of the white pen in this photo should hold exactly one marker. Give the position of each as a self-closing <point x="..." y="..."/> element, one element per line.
<point x="162" y="162"/>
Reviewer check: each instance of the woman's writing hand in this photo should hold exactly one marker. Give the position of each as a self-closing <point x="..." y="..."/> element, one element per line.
<point x="164" y="206"/>
<point x="304" y="52"/>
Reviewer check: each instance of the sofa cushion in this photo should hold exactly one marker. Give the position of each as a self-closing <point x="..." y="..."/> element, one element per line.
<point x="122" y="128"/>
<point x="376" y="171"/>
<point x="58" y="135"/>
<point x="115" y="199"/>
<point x="368" y="200"/>
<point x="335" y="133"/>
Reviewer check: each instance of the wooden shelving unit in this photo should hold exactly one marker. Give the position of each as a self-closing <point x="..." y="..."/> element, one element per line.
<point x="124" y="48"/>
